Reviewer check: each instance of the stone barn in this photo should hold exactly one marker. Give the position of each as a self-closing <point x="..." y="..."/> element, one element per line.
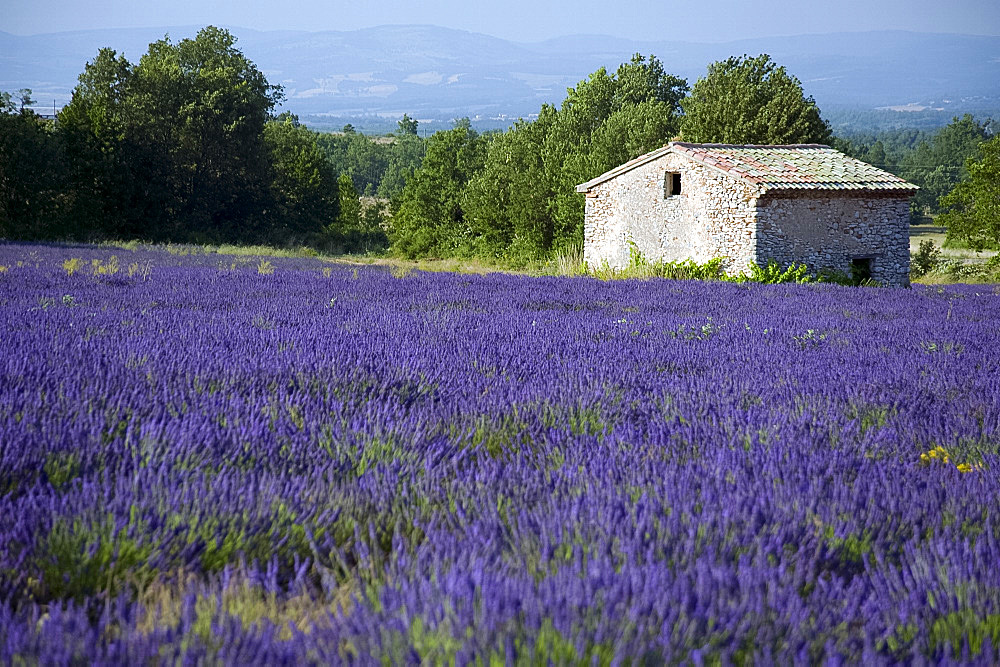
<point x="803" y="203"/>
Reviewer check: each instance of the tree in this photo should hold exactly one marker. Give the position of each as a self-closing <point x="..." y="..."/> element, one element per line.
<point x="379" y="166"/>
<point x="939" y="164"/>
<point x="204" y="104"/>
<point x="289" y="117"/>
<point x="404" y="157"/>
<point x="358" y="156"/>
<point x="508" y="200"/>
<point x="31" y="173"/>
<point x="876" y="155"/>
<point x="360" y="226"/>
<point x="180" y="146"/>
<point x="407" y="125"/>
<point x="973" y="206"/>
<point x="350" y="204"/>
<point x="117" y="189"/>
<point x="431" y="219"/>
<point x="303" y="185"/>
<point x="523" y="204"/>
<point x="173" y="147"/>
<point x="751" y="101"/>
<point x="24" y="97"/>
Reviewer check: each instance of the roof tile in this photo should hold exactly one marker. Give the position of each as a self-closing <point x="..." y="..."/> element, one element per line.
<point x="796" y="166"/>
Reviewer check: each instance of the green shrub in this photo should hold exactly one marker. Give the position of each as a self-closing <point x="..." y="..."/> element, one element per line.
<point x="641" y="267"/>
<point x="773" y="274"/>
<point x="957" y="271"/>
<point x="570" y="263"/>
<point x="926" y="259"/>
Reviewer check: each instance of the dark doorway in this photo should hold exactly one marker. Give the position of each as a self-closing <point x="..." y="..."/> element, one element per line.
<point x="861" y="269"/>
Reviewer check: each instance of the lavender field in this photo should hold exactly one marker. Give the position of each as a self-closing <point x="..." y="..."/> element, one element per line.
<point x="206" y="458"/>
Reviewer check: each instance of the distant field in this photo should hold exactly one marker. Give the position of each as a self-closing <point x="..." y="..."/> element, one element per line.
<point x="247" y="459"/>
<point x="938" y="235"/>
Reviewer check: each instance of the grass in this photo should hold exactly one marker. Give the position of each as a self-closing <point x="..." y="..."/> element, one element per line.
<point x="397" y="264"/>
<point x="401" y="265"/>
<point x="182" y="249"/>
<point x="960" y="262"/>
<point x="948" y="277"/>
<point x="950" y="249"/>
<point x="164" y="599"/>
<point x="564" y="262"/>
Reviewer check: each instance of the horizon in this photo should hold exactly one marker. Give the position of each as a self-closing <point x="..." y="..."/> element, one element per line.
<point x="604" y="35"/>
<point x="384" y="71"/>
<point x="711" y="21"/>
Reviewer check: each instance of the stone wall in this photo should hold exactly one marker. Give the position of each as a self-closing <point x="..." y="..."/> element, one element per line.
<point x="712" y="217"/>
<point x="826" y="230"/>
<point x="717" y="215"/>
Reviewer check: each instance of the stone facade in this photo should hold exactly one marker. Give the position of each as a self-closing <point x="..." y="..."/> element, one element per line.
<point x="718" y="214"/>
<point x="827" y="230"/>
<point x="713" y="216"/>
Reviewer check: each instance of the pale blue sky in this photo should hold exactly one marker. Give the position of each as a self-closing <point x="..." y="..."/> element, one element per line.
<point x="522" y="20"/>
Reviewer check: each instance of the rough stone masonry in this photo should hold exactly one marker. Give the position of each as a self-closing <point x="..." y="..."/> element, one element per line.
<point x="802" y="203"/>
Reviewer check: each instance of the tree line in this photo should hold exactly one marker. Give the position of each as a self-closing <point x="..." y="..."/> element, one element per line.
<point x="184" y="146"/>
<point x="936" y="161"/>
<point x="511" y="197"/>
<point x="377" y="166"/>
<point x="180" y="146"/>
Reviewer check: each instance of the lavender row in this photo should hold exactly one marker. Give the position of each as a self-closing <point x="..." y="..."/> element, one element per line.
<point x="284" y="460"/>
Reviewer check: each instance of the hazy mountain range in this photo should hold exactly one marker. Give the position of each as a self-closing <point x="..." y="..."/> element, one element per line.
<point x="439" y="73"/>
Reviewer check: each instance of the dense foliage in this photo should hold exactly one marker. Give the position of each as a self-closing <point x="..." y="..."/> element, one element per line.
<point x="265" y="461"/>
<point x="182" y="146"/>
<point x="304" y="186"/>
<point x="752" y="100"/>
<point x="853" y="121"/>
<point x="934" y="161"/>
<point x="175" y="143"/>
<point x="32" y="184"/>
<point x="973" y="207"/>
<point x="177" y="146"/>
<point x="522" y="203"/>
<point x="430" y="219"/>
<point x="379" y="166"/>
<point x="937" y="165"/>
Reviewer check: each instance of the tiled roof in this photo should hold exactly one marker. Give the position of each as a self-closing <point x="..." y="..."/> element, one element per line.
<point x="621" y="169"/>
<point x="793" y="167"/>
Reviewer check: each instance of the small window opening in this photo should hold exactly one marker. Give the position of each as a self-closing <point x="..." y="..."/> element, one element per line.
<point x="671" y="184"/>
<point x="861" y="269"/>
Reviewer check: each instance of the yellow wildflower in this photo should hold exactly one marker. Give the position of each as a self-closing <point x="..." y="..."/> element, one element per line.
<point x="939" y="453"/>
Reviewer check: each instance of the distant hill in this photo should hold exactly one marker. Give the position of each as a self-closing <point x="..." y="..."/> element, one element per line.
<point x="439" y="73"/>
